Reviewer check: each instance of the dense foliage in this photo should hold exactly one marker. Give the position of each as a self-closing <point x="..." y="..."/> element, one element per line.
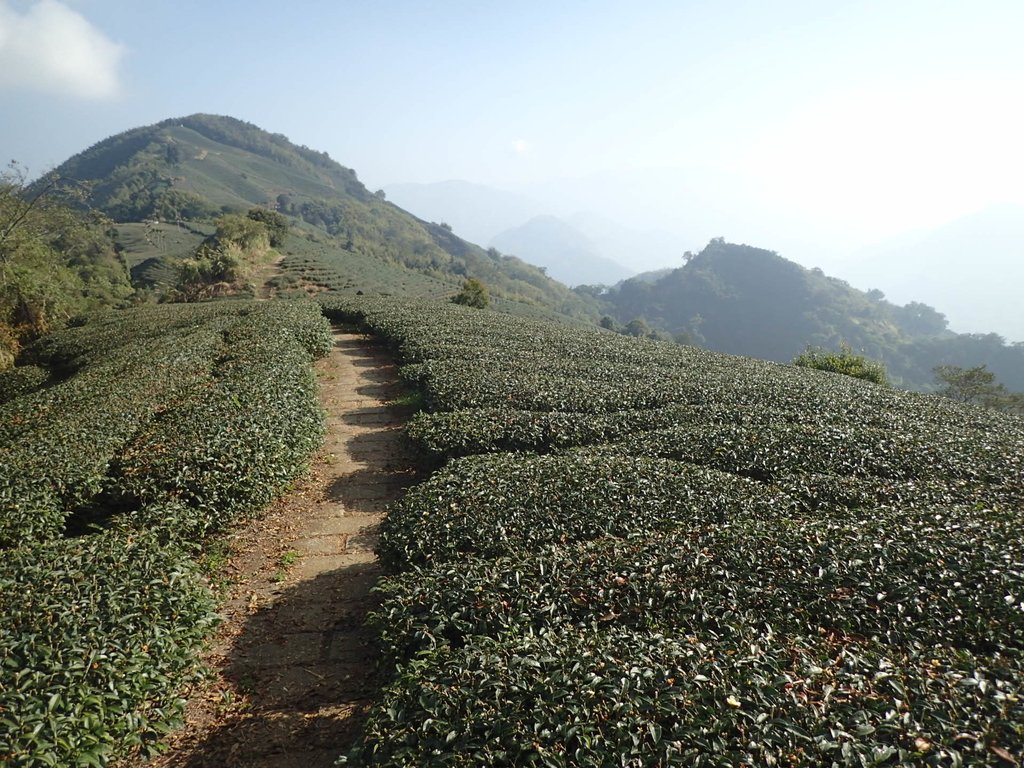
<point x="55" y="261"/>
<point x="666" y="556"/>
<point x="98" y="636"/>
<point x="474" y="294"/>
<point x="125" y="440"/>
<point x="977" y="385"/>
<point x="223" y="262"/>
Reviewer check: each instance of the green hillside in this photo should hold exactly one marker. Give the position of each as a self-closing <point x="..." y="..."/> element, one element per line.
<point x="629" y="551"/>
<point x="750" y="301"/>
<point x="194" y="168"/>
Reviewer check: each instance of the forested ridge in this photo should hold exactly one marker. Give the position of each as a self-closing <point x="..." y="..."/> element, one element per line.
<point x="751" y="301"/>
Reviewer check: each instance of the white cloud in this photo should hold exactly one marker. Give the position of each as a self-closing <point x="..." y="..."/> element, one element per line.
<point x="50" y="47"/>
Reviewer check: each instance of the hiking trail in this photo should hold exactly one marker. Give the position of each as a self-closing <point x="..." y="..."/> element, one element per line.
<point x="293" y="663"/>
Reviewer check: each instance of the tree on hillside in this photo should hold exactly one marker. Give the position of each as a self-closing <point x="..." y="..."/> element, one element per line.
<point x="637" y="327"/>
<point x="243" y="232"/>
<point x="55" y="260"/>
<point x="276" y="224"/>
<point x="593" y="291"/>
<point x="921" y="319"/>
<point x="178" y="205"/>
<point x="474" y="293"/>
<point x="977" y="386"/>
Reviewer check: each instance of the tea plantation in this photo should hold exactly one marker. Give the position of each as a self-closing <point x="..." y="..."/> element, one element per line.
<point x="630" y="553"/>
<point x="123" y="442"/>
<point x="640" y="554"/>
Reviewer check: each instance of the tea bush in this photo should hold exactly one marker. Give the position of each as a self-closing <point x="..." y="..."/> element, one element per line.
<point x="925" y="579"/>
<point x="635" y="698"/>
<point x="644" y="554"/>
<point x="231" y="447"/>
<point x="845" y="362"/>
<point x="225" y="391"/>
<point x="493" y="505"/>
<point x="98" y="635"/>
<point x="63" y="439"/>
<point x="449" y="434"/>
<point x="15" y="382"/>
<point x="156" y="426"/>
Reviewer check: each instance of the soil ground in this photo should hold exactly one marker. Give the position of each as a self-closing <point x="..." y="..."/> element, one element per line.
<point x="292" y="664"/>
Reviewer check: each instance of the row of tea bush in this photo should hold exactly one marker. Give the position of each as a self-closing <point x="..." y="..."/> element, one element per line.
<point x="123" y="442"/>
<point x="635" y="553"/>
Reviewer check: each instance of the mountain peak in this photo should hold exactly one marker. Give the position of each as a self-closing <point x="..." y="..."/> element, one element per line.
<point x="227" y="162"/>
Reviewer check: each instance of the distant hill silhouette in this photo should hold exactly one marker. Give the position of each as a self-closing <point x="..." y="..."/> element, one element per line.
<point x="484" y="214"/>
<point x="475" y="211"/>
<point x="750" y="301"/>
<point x="971" y="267"/>
<point x="562" y="250"/>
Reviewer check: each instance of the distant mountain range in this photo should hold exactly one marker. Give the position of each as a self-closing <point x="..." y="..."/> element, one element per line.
<point x="563" y="250"/>
<point x="474" y="211"/>
<point x="580" y="247"/>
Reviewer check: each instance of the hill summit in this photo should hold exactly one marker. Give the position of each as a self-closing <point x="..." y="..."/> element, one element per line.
<point x="192" y="169"/>
<point x="190" y="166"/>
<point x="751" y="301"/>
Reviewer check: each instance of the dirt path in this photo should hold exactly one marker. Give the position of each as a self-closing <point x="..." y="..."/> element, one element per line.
<point x="264" y="275"/>
<point x="295" y="665"/>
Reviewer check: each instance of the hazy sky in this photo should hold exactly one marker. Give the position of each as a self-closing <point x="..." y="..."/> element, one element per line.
<point x="858" y="118"/>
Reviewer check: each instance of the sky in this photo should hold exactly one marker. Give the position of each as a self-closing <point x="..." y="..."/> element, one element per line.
<point x="810" y="122"/>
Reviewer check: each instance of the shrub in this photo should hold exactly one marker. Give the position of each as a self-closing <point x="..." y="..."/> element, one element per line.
<point x="473" y="294"/>
<point x="846" y="362"/>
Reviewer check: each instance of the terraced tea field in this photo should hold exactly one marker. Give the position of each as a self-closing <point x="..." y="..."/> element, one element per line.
<point x="635" y="553"/>
<point x="629" y="552"/>
<point x="124" y="441"/>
